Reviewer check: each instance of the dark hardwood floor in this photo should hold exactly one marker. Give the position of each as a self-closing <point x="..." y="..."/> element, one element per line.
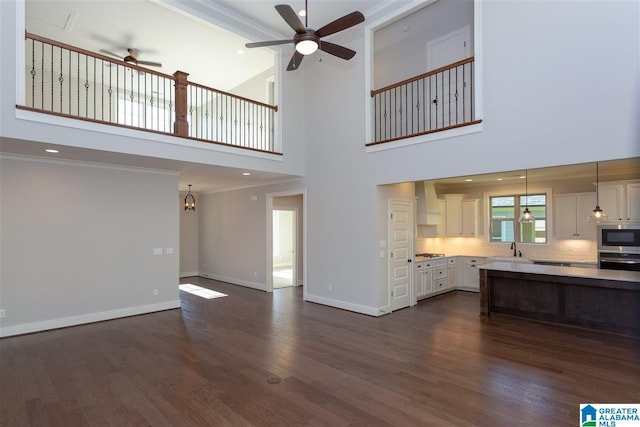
<point x="213" y="361"/>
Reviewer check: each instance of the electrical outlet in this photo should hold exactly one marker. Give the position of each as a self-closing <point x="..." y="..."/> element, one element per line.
<point x="3" y="313"/>
<point x="155" y="292"/>
<point x="169" y="251"/>
<point x="330" y="288"/>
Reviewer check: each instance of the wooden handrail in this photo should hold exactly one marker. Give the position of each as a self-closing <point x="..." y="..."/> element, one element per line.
<point x="422" y="76"/>
<point x="221" y="92"/>
<point x="94" y="55"/>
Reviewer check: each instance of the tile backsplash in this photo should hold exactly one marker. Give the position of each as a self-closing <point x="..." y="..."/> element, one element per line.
<point x="561" y="250"/>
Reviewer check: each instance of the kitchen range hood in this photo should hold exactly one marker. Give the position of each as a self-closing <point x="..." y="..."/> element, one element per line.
<point x="428" y="209"/>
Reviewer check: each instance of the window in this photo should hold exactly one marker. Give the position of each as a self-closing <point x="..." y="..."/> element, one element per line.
<point x="505" y="211"/>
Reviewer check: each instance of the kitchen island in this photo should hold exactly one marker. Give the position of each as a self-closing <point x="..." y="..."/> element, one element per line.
<point x="607" y="300"/>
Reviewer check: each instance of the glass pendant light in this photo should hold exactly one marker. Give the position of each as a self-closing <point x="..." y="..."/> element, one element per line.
<point x="189" y="201"/>
<point x="527" y="216"/>
<point x="598" y="214"/>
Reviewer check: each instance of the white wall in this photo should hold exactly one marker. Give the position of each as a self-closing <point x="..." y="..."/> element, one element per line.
<point x="77" y="243"/>
<point x="233" y="235"/>
<point x="189" y="237"/>
<point x="255" y="88"/>
<point x="401" y="47"/>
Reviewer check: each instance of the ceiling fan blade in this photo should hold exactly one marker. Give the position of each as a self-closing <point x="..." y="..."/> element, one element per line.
<point x="291" y="18"/>
<point x="347" y="21"/>
<point x="268" y="43"/>
<point x="149" y="63"/>
<point x="296" y="59"/>
<point x="337" y="50"/>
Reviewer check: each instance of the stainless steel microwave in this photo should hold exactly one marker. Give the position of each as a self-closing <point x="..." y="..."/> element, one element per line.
<point x="619" y="238"/>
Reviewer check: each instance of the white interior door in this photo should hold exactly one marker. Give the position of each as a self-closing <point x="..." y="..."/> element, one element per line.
<point x="400" y="253"/>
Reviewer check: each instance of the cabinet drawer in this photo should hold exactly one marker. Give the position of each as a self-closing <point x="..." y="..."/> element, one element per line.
<point x="439" y="284"/>
<point x="439" y="272"/>
<point x="419" y="266"/>
<point x="451" y="261"/>
<point x="439" y="263"/>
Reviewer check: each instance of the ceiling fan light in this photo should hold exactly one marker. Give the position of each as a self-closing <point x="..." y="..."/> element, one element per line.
<point x="306" y="47"/>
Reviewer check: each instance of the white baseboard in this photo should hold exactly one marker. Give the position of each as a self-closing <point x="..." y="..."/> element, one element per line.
<point x="63" y="322"/>
<point x="467" y="289"/>
<point x="363" y="309"/>
<point x="245" y="283"/>
<point x="188" y="274"/>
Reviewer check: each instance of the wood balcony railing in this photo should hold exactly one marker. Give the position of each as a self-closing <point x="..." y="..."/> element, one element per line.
<point x="439" y="100"/>
<point x="71" y="82"/>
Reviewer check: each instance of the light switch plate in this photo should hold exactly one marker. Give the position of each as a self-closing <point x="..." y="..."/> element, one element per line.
<point x="169" y="251"/>
<point x="157" y="251"/>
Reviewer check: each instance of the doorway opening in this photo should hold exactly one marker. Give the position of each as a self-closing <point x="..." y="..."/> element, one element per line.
<point x="285" y="240"/>
<point x="284" y="248"/>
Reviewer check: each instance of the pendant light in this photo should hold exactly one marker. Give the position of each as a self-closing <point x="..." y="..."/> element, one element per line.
<point x="189" y="201"/>
<point x="598" y="214"/>
<point x="527" y="216"/>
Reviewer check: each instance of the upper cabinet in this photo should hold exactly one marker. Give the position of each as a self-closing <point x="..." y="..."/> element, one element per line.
<point x="620" y="201"/>
<point x="461" y="216"/>
<point x="571" y="213"/>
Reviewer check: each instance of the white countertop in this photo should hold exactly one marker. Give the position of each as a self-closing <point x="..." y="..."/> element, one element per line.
<point x="552" y="270"/>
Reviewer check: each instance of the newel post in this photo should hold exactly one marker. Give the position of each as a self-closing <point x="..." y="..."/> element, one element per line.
<point x="181" y="126"/>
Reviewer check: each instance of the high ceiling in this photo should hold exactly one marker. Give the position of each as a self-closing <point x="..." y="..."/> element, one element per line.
<point x="198" y="36"/>
<point x="201" y="37"/>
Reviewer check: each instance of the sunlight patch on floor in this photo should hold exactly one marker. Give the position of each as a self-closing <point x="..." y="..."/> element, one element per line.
<point x="200" y="291"/>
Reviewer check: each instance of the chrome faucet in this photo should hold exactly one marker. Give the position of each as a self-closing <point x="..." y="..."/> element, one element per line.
<point x="513" y="246"/>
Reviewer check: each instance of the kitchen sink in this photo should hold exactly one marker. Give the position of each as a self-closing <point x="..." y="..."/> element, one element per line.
<point x="518" y="260"/>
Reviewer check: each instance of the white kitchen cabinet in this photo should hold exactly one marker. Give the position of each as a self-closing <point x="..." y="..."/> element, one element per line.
<point x="452" y="272"/>
<point x="461" y="216"/>
<point x="570" y="216"/>
<point x="470" y="273"/>
<point x="633" y="201"/>
<point x="470" y="217"/>
<point x="621" y="201"/>
<point x="453" y="206"/>
<point x="612" y="201"/>
<point x="440" y="276"/>
<point x="423" y="279"/>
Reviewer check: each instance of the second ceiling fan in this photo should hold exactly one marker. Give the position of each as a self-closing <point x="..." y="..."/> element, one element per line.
<point x="307" y="40"/>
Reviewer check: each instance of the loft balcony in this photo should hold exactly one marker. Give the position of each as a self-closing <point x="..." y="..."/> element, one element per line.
<point x="70" y="82"/>
<point x="436" y="101"/>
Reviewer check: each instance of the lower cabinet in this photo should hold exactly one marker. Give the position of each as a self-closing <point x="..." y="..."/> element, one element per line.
<point x="432" y="277"/>
<point x="470" y="273"/>
<point x="422" y="279"/>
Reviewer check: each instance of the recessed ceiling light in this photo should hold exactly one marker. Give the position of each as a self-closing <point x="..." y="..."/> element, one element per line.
<point x="240" y="52"/>
<point x="468" y="180"/>
<point x="246" y="173"/>
<point x="522" y="176"/>
<point x="302" y="13"/>
<point x="499" y="179"/>
<point x="51" y="150"/>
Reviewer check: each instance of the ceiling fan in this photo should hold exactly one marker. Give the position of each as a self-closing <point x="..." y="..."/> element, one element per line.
<point x="132" y="57"/>
<point x="307" y="40"/>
